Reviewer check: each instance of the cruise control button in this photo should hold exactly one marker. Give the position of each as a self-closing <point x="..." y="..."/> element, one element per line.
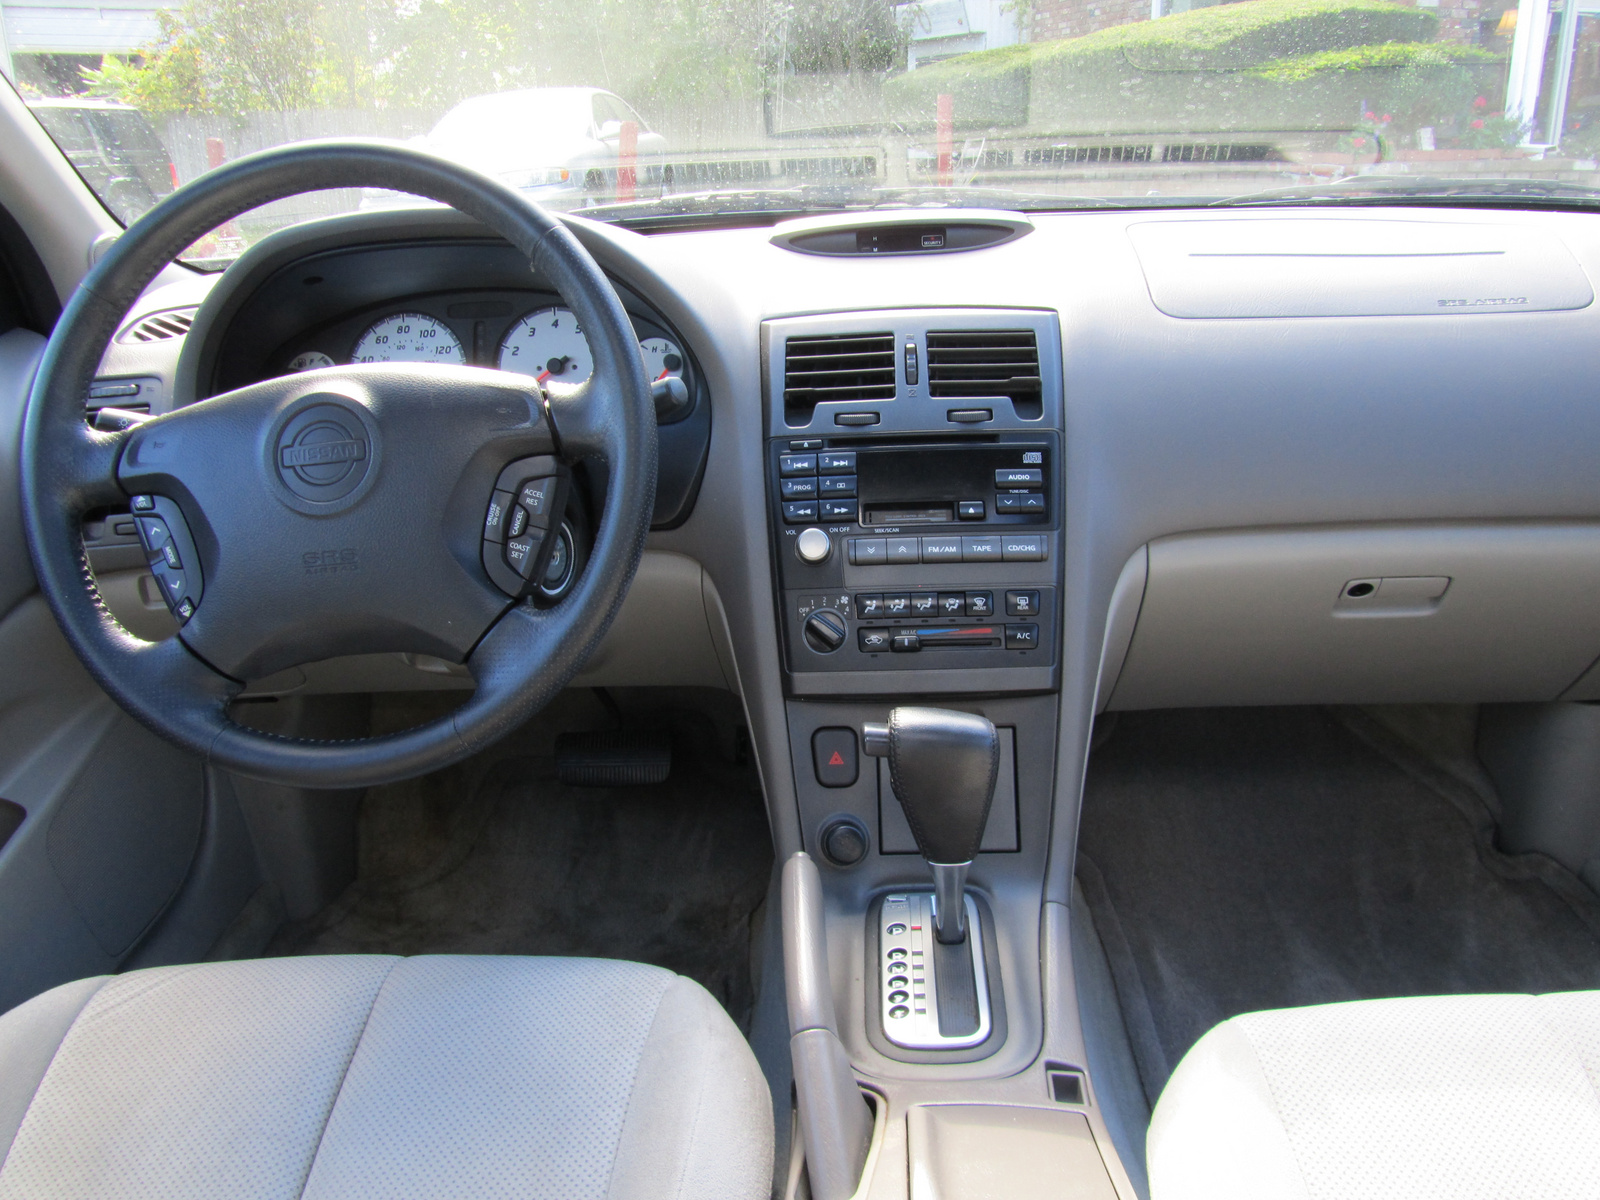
<point x="941" y="549"/>
<point x="1022" y="637"/>
<point x="905" y="550"/>
<point x="838" y="485"/>
<point x="153" y="532"/>
<point x="494" y="519"/>
<point x="838" y="510"/>
<point x="952" y="604"/>
<point x="868" y="550"/>
<point x="924" y="604"/>
<point x="797" y="489"/>
<point x="518" y="524"/>
<point x="980" y="604"/>
<point x="984" y="548"/>
<point x="522" y="552"/>
<point x="873" y="641"/>
<point x="897" y="604"/>
<point x="800" y="512"/>
<point x="797" y="464"/>
<point x="1022" y="604"/>
<point x="1026" y="548"/>
<point x="869" y="606"/>
<point x="837" y="461"/>
<point x="1019" y="477"/>
<point x="536" y="496"/>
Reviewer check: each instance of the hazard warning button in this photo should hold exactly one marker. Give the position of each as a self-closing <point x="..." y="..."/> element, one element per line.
<point x="833" y="752"/>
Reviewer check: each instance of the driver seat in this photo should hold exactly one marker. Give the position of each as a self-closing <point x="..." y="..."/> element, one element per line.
<point x="357" y="1076"/>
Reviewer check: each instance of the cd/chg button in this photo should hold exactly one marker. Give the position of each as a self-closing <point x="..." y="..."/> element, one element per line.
<point x="941" y="549"/>
<point x="1028" y="547"/>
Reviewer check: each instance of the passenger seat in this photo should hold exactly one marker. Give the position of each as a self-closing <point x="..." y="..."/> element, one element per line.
<point x="1456" y="1097"/>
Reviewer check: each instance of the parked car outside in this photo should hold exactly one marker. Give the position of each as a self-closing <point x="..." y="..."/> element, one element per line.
<point x="551" y="141"/>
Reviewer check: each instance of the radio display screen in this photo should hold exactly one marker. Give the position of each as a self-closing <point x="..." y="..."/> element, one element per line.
<point x="921" y="485"/>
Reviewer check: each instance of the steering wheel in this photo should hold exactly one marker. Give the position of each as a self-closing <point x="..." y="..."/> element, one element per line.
<point x="348" y="510"/>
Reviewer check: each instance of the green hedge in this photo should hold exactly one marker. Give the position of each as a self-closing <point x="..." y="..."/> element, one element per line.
<point x="1260" y="64"/>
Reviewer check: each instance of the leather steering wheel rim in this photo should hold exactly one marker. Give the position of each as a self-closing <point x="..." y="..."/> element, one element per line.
<point x="523" y="657"/>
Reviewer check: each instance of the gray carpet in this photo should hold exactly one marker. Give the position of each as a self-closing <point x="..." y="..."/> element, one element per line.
<point x="496" y="856"/>
<point x="1242" y="859"/>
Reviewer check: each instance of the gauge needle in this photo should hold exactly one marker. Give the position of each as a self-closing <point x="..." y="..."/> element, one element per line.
<point x="661" y="376"/>
<point x="541" y="376"/>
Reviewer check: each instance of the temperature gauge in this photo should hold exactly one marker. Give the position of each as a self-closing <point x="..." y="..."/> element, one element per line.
<point x="661" y="358"/>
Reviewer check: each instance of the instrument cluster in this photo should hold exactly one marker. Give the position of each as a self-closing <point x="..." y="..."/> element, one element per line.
<point x="530" y="333"/>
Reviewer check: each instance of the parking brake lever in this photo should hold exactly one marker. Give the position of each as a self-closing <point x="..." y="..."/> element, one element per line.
<point x="942" y="765"/>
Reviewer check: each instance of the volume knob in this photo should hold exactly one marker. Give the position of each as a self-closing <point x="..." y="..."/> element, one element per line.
<point x="813" y="545"/>
<point x="825" y="631"/>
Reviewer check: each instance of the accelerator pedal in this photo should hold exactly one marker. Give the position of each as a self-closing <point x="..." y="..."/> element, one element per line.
<point x="613" y="758"/>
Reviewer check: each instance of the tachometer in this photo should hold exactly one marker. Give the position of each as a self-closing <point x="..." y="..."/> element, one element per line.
<point x="549" y="345"/>
<point x="408" y="337"/>
<point x="661" y="358"/>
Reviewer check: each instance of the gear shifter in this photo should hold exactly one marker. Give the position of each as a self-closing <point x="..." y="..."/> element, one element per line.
<point x="942" y="765"/>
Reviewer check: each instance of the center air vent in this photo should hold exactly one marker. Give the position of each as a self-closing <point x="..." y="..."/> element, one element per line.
<point x="982" y="364"/>
<point x="848" y="366"/>
<point x="159" y="326"/>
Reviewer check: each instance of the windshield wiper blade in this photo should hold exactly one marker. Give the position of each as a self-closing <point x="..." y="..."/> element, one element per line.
<point x="1389" y="189"/>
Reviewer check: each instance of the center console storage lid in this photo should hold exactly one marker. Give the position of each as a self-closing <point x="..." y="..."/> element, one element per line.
<point x="975" y="1151"/>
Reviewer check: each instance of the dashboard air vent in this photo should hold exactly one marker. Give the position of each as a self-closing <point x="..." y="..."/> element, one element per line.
<point x="846" y="366"/>
<point x="159" y="326"/>
<point x="980" y="364"/>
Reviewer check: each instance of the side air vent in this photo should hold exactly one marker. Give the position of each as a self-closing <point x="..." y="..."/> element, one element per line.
<point x="981" y="364"/>
<point x="158" y="327"/>
<point x="847" y="366"/>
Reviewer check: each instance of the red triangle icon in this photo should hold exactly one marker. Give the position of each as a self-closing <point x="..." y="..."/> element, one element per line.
<point x="837" y="760"/>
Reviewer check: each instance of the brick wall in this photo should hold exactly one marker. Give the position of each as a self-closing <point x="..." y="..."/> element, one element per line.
<point x="1051" y="19"/>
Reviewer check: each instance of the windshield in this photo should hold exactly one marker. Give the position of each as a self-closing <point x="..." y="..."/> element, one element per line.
<point x="679" y="111"/>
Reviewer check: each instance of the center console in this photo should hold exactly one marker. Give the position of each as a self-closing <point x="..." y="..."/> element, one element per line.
<point x="913" y="471"/>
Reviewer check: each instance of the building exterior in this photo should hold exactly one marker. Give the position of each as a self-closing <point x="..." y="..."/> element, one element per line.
<point x="44" y="41"/>
<point x="944" y="28"/>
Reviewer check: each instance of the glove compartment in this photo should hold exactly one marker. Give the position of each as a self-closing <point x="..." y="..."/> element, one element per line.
<point x="1365" y="614"/>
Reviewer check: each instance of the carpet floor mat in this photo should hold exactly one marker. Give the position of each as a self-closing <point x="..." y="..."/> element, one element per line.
<point x="497" y="856"/>
<point x="1244" y="859"/>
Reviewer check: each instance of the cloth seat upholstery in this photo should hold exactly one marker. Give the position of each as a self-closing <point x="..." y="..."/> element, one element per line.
<point x="1494" y="1097"/>
<point x="364" y="1076"/>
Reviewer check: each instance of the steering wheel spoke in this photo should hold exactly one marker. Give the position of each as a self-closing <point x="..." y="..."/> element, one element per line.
<point x="342" y="512"/>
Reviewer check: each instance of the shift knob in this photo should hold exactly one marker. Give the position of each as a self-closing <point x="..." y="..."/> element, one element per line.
<point x="942" y="765"/>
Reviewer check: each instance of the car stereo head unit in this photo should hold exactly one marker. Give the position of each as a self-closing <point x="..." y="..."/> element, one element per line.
<point x="917" y="555"/>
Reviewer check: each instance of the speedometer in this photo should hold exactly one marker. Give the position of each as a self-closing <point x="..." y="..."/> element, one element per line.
<point x="408" y="337"/>
<point x="549" y="345"/>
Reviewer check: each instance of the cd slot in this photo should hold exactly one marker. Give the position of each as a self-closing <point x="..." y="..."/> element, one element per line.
<point x="908" y="514"/>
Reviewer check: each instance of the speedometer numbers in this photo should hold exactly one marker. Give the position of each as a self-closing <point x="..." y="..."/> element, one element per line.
<point x="549" y="345"/>
<point x="409" y="337"/>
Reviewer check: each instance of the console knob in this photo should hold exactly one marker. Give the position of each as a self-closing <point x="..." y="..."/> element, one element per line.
<point x="813" y="545"/>
<point x="825" y="631"/>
